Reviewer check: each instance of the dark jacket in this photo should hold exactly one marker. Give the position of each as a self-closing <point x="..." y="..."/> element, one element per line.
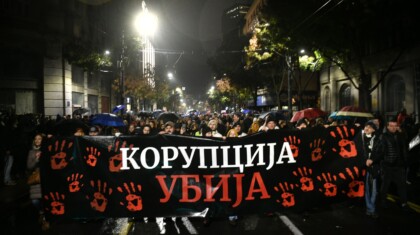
<point x="393" y="149"/>
<point x="362" y="146"/>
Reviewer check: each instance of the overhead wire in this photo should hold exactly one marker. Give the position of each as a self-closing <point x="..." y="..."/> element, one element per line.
<point x="308" y="17"/>
<point x="329" y="10"/>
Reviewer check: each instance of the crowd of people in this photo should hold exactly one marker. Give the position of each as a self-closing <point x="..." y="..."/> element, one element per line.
<point x="383" y="145"/>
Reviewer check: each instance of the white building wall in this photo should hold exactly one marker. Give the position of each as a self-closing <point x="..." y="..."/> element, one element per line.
<point x="57" y="87"/>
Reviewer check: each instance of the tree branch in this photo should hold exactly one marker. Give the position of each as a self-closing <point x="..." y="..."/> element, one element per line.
<point x="383" y="75"/>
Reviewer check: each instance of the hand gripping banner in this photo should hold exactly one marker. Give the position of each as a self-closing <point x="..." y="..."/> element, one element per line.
<point x="172" y="175"/>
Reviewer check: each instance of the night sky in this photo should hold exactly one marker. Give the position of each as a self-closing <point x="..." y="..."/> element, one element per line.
<point x="194" y="28"/>
<point x="188" y="27"/>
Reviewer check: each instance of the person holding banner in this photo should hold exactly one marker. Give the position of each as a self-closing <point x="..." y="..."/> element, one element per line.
<point x="213" y="124"/>
<point x="146" y="130"/>
<point x="168" y="128"/>
<point x="393" y="153"/>
<point x="255" y="126"/>
<point x="269" y="124"/>
<point x="367" y="143"/>
<point x="238" y="129"/>
<point x="302" y="124"/>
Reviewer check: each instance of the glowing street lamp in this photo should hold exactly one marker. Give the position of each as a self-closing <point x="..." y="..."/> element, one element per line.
<point x="146" y="22"/>
<point x="146" y="25"/>
<point x="170" y="76"/>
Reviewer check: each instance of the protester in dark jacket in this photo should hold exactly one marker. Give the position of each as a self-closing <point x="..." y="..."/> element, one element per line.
<point x="393" y="153"/>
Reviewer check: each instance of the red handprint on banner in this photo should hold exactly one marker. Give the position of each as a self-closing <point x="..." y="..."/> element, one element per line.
<point x="100" y="201"/>
<point x="56" y="206"/>
<point x="356" y="187"/>
<point x="134" y="201"/>
<point x="306" y="182"/>
<point x="115" y="162"/>
<point x="294" y="142"/>
<point x="330" y="189"/>
<point x="317" y="150"/>
<point x="74" y="183"/>
<point x="92" y="156"/>
<point x="287" y="198"/>
<point x="58" y="160"/>
<point x="347" y="147"/>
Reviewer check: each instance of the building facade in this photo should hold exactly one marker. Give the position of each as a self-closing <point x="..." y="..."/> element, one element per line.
<point x="35" y="75"/>
<point x="394" y="73"/>
<point x="399" y="89"/>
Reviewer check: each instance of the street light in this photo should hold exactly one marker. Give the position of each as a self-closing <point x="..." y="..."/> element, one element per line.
<point x="146" y="22"/>
<point x="170" y="76"/>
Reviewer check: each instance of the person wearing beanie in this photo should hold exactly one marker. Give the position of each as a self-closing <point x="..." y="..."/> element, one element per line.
<point x="367" y="145"/>
<point x="169" y="128"/>
<point x="93" y="131"/>
<point x="373" y="125"/>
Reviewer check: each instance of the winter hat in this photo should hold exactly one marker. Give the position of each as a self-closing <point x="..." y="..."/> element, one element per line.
<point x="270" y="118"/>
<point x="371" y="124"/>
<point x="301" y="121"/>
<point x="169" y="123"/>
<point x="93" y="129"/>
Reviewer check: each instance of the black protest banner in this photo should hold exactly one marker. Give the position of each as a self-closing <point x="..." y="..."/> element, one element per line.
<point x="170" y="175"/>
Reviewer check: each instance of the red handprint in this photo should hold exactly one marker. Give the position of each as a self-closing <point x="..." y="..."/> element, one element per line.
<point x="92" y="156"/>
<point x="330" y="188"/>
<point x="347" y="147"/>
<point x="115" y="162"/>
<point x="99" y="201"/>
<point x="356" y="187"/>
<point x="307" y="183"/>
<point x="287" y="199"/>
<point x="75" y="184"/>
<point x="134" y="202"/>
<point x="294" y="142"/>
<point x="56" y="206"/>
<point x="58" y="160"/>
<point x="317" y="150"/>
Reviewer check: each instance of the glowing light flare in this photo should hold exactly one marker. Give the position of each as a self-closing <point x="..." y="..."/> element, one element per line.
<point x="146" y="23"/>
